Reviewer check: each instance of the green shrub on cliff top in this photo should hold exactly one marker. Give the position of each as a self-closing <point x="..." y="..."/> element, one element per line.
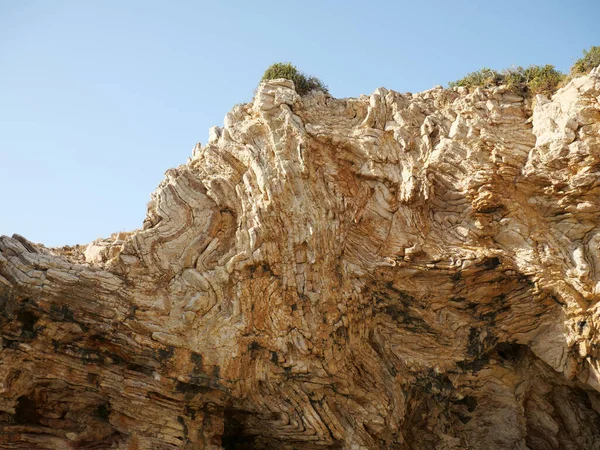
<point x="530" y="80"/>
<point x="590" y="59"/>
<point x="484" y="78"/>
<point x="303" y="83"/>
<point x="533" y="79"/>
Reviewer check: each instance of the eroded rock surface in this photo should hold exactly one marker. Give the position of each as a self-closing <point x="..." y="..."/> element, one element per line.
<point x="389" y="272"/>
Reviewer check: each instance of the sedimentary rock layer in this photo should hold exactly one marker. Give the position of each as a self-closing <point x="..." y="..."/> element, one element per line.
<point x="398" y="271"/>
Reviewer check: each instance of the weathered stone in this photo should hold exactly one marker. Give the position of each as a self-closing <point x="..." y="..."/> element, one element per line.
<point x="395" y="271"/>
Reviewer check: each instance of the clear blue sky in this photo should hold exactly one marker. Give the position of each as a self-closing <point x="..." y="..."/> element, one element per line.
<point x="99" y="98"/>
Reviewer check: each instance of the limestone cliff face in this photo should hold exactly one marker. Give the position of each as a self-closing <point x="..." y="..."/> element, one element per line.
<point x="389" y="272"/>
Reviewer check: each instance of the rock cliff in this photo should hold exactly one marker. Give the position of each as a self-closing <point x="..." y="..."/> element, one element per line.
<point x="398" y="271"/>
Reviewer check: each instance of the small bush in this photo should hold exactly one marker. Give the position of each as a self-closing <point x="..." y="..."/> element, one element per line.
<point x="530" y="80"/>
<point x="533" y="79"/>
<point x="590" y="59"/>
<point x="484" y="78"/>
<point x="303" y="83"/>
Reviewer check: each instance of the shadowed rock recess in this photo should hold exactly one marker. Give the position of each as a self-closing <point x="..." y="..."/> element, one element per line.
<point x="398" y="271"/>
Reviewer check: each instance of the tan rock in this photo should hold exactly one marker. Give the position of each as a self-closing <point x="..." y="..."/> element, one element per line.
<point x="394" y="271"/>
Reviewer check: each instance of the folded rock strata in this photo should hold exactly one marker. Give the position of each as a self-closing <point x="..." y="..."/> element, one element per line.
<point x="398" y="271"/>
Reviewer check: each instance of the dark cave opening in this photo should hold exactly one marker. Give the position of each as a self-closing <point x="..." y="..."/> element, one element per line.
<point x="235" y="436"/>
<point x="26" y="412"/>
<point x="511" y="351"/>
<point x="28" y="321"/>
<point x="102" y="411"/>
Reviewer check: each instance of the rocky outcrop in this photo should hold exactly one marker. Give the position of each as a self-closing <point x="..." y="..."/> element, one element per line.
<point x="398" y="271"/>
